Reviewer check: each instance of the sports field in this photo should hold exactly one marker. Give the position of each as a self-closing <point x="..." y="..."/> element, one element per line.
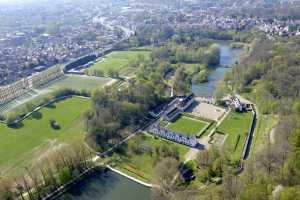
<point x="118" y="61"/>
<point x="78" y="82"/>
<point x="187" y="125"/>
<point x="236" y="125"/>
<point x="142" y="165"/>
<point x="21" y="146"/>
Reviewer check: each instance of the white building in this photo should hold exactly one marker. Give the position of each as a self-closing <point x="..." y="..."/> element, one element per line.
<point x="14" y="90"/>
<point x="176" y="137"/>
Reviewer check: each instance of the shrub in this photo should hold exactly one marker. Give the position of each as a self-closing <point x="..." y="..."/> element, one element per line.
<point x="237" y="141"/>
<point x="11" y="118"/>
<point x="54" y="124"/>
<point x="2" y="117"/>
<point x="65" y="175"/>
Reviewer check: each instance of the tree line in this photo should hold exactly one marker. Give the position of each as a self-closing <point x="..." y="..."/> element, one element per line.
<point x="49" y="173"/>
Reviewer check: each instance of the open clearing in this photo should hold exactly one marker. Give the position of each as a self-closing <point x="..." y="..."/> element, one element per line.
<point x="78" y="82"/>
<point x="118" y="61"/>
<point x="142" y="165"/>
<point x="236" y="125"/>
<point x="187" y="125"/>
<point x="21" y="146"/>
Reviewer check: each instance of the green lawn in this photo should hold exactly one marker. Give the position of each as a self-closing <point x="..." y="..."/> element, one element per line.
<point x="78" y="82"/>
<point x="142" y="165"/>
<point x="187" y="125"/>
<point x="236" y="125"/>
<point x="19" y="147"/>
<point x="265" y="123"/>
<point x="118" y="60"/>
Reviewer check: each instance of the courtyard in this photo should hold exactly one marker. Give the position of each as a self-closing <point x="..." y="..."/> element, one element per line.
<point x="187" y="125"/>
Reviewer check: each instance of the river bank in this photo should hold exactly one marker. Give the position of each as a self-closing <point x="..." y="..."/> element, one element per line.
<point x="229" y="56"/>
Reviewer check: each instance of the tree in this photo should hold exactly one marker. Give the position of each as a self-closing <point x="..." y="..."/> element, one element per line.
<point x="165" y="173"/>
<point x="6" y="192"/>
<point x="202" y="76"/>
<point x="290" y="193"/>
<point x="181" y="82"/>
<point x="212" y="56"/>
<point x="11" y="118"/>
<point x="54" y="124"/>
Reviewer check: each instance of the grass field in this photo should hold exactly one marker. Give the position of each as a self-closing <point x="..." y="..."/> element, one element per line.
<point x="236" y="125"/>
<point x="21" y="146"/>
<point x="118" y="61"/>
<point x="187" y="125"/>
<point x="142" y="165"/>
<point x="78" y="82"/>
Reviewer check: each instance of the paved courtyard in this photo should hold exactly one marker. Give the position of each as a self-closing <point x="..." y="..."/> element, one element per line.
<point x="206" y="110"/>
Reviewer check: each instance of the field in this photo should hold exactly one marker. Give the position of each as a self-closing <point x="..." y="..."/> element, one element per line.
<point x="78" y="82"/>
<point x="236" y="125"/>
<point x="118" y="61"/>
<point x="67" y="81"/>
<point x="142" y="165"/>
<point x="19" y="146"/>
<point x="187" y="125"/>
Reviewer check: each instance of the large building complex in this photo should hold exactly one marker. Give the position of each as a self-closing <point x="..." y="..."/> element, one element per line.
<point x="173" y="136"/>
<point x="14" y="90"/>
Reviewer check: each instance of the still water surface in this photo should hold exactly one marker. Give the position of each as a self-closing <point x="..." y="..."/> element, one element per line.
<point x="228" y="58"/>
<point x="112" y="186"/>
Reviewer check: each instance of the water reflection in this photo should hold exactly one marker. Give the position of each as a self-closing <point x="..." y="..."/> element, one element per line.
<point x="109" y="187"/>
<point x="228" y="57"/>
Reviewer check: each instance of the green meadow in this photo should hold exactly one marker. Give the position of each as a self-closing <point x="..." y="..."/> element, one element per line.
<point x="119" y="60"/>
<point x="187" y="125"/>
<point x="142" y="165"/>
<point x="24" y="144"/>
<point x="236" y="125"/>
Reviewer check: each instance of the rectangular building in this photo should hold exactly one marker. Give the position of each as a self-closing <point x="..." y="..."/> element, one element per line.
<point x="15" y="90"/>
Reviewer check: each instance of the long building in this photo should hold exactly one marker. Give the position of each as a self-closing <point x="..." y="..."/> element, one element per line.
<point x="15" y="90"/>
<point x="173" y="136"/>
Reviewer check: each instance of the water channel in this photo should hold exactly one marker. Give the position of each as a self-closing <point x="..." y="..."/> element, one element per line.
<point x="113" y="186"/>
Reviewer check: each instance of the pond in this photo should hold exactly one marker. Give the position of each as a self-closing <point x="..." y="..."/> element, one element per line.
<point x="228" y="57"/>
<point x="110" y="186"/>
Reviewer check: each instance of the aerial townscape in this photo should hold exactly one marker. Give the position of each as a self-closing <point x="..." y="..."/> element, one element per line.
<point x="149" y="100"/>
